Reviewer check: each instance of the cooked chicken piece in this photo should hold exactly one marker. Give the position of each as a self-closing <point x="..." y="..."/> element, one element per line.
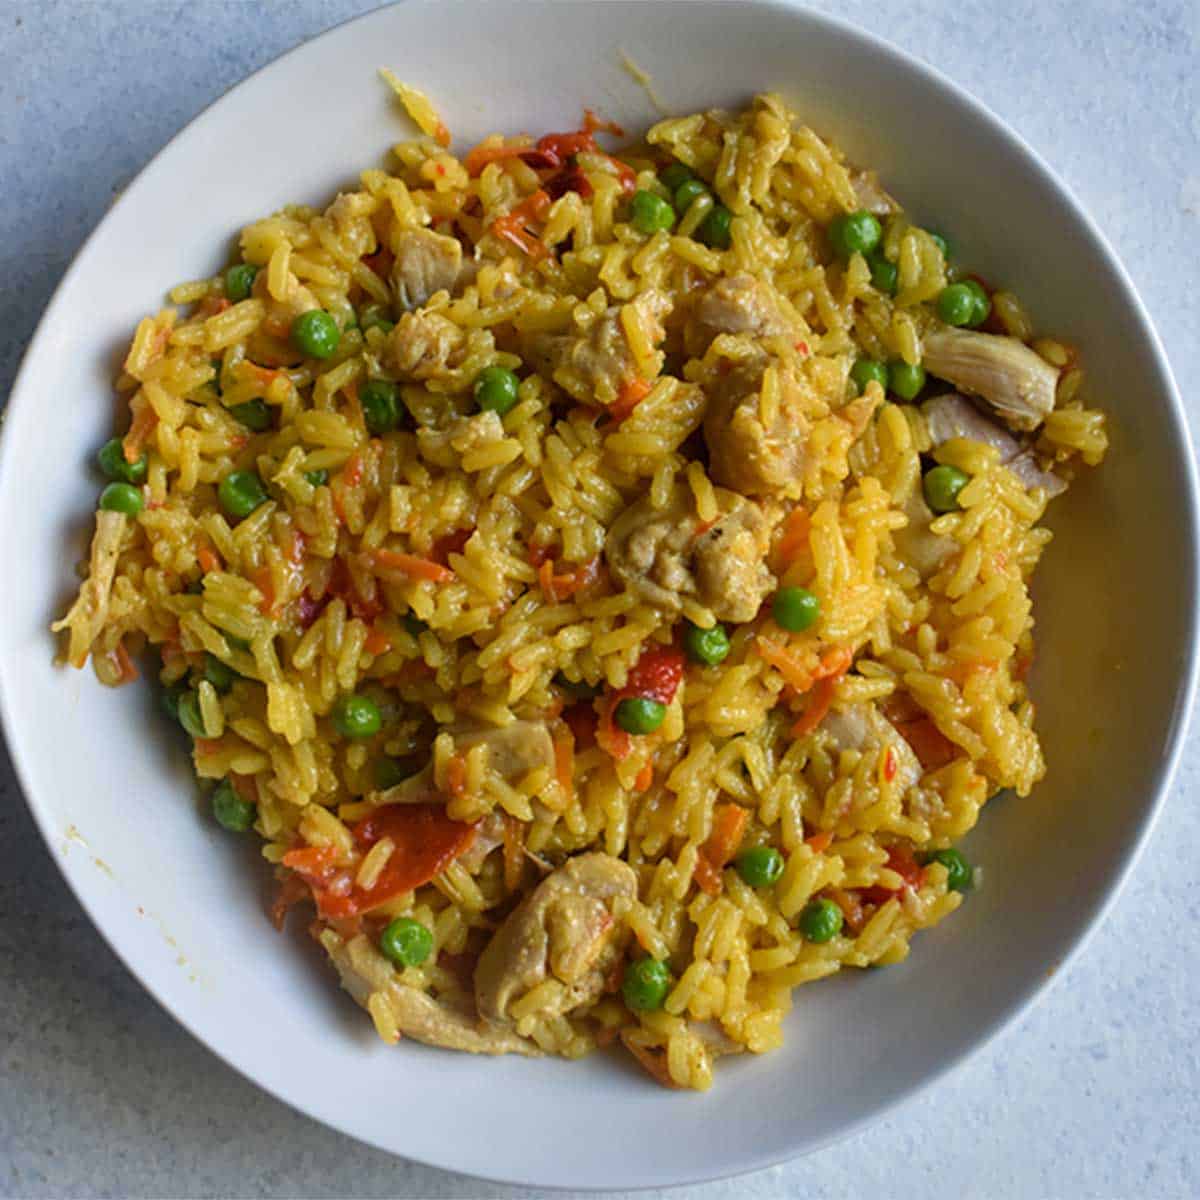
<point x="870" y="194"/>
<point x="664" y="555"/>
<point x="489" y="836"/>
<point x="754" y="452"/>
<point x="90" y="611"/>
<point x="951" y="416"/>
<point x="742" y="304"/>
<point x="446" y="447"/>
<point x="592" y="366"/>
<point x="423" y="345"/>
<point x="1016" y="382"/>
<point x="864" y="728"/>
<point x="926" y="552"/>
<point x="371" y="980"/>
<point x="564" y="930"/>
<point x="426" y="262"/>
<point x="513" y="751"/>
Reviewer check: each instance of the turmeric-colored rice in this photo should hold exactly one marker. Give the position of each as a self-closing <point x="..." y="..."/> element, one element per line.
<point x="465" y="642"/>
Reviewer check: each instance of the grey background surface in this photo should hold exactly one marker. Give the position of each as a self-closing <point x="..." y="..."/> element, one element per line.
<point x="1092" y="1095"/>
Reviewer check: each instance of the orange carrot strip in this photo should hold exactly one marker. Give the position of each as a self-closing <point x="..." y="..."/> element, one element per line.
<point x="818" y="708"/>
<point x="208" y="560"/>
<point x="931" y="746"/>
<point x="729" y="826"/>
<point x="310" y="858"/>
<point x="377" y="642"/>
<point x="645" y="777"/>
<point x="652" y="1061"/>
<point x="144" y="421"/>
<point x="264" y="580"/>
<point x="819" y="842"/>
<point x="128" y="671"/>
<point x="796" y="531"/>
<point x="481" y="155"/>
<point x="632" y="393"/>
<point x="413" y="566"/>
<point x="799" y="670"/>
<point x="456" y="775"/>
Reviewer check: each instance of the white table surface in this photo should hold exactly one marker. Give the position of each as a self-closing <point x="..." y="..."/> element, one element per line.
<point x="1094" y="1094"/>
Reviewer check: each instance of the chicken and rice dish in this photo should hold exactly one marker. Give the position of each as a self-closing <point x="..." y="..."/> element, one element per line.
<point x="599" y="576"/>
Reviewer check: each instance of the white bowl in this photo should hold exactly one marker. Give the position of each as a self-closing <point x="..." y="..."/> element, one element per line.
<point x="1116" y="599"/>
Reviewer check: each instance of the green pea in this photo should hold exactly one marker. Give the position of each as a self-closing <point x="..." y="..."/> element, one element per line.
<point x="884" y="275"/>
<point x="651" y="213"/>
<point x="674" y="175"/>
<point x="577" y="691"/>
<point x="707" y="646"/>
<point x="866" y="369"/>
<point x="221" y="675"/>
<point x="639" y="715"/>
<point x="906" y="379"/>
<point x="716" y="229"/>
<point x="795" y="609"/>
<point x="942" y="485"/>
<point x="318" y="478"/>
<point x="646" y="985"/>
<point x="854" y="233"/>
<point x="239" y="280"/>
<point x="406" y="942"/>
<point x="255" y="414"/>
<point x="959" y="876"/>
<point x="189" y="714"/>
<point x="315" y="333"/>
<point x="391" y="771"/>
<point x="983" y="302"/>
<point x="958" y="304"/>
<point x="169" y="699"/>
<point x="376" y="316"/>
<point x="496" y="390"/>
<point x="240" y="493"/>
<point x="760" y="866"/>
<point x="820" y="920"/>
<point x="688" y="192"/>
<point x="357" y="717"/>
<point x="122" y="498"/>
<point x="112" y="462"/>
<point x="413" y="624"/>
<point x="231" y="811"/>
<point x="380" y="400"/>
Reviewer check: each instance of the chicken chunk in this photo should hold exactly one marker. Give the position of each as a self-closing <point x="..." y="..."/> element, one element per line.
<point x="864" y="728"/>
<point x="1018" y="383"/>
<point x="446" y="447"/>
<point x="592" y="366"/>
<point x="665" y="555"/>
<point x="564" y="930"/>
<point x="870" y="194"/>
<point x="513" y="751"/>
<point x="951" y="416"/>
<point x="87" y="615"/>
<point x="424" y="345"/>
<point x="426" y="262"/>
<point x="742" y="304"/>
<point x="754" y="448"/>
<point x="371" y="981"/>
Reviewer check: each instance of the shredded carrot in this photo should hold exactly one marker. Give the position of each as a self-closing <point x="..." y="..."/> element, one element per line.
<point x="481" y="155"/>
<point x="128" y="672"/>
<point x="514" y="226"/>
<point x="352" y="472"/>
<point x="645" y="777"/>
<point x="820" y="842"/>
<point x="144" y="421"/>
<point x="794" y="540"/>
<point x="264" y="580"/>
<point x="850" y="905"/>
<point x="246" y="786"/>
<point x="456" y="775"/>
<point x="412" y="565"/>
<point x="612" y="740"/>
<point x="798" y="669"/>
<point x="564" y="760"/>
<point x="729" y="825"/>
<point x="514" y="858"/>
<point x="632" y="393"/>
<point x="310" y="858"/>
<point x="291" y="891"/>
<point x="377" y="642"/>
<point x="211" y="305"/>
<point x="562" y="587"/>
<point x="835" y="662"/>
<point x="206" y="747"/>
<point x="206" y="556"/>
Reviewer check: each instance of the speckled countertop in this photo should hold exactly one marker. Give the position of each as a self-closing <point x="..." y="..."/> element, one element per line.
<point x="1094" y="1094"/>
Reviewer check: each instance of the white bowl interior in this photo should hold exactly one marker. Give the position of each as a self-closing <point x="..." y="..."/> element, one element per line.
<point x="1115" y="600"/>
